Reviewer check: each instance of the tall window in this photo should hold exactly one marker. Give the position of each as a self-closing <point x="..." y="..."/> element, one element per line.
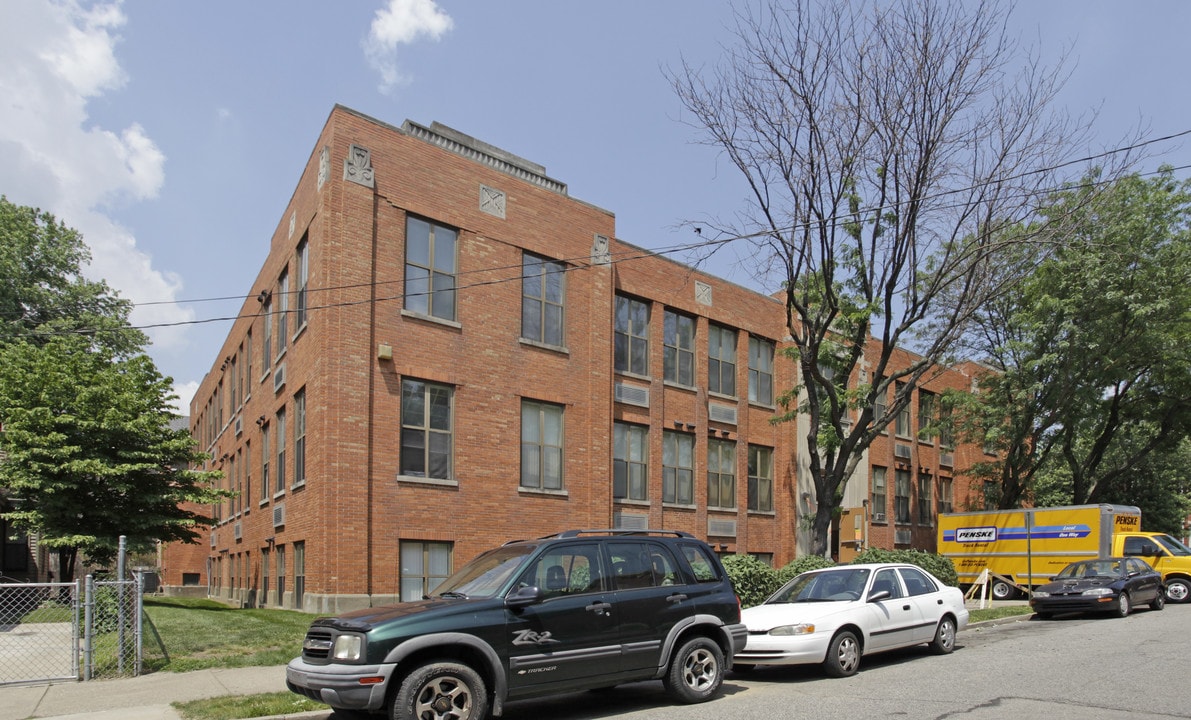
<point x="266" y="487"/>
<point x="267" y="356"/>
<point x="678" y="355"/>
<point x="760" y="478"/>
<point x="423" y="566"/>
<point x="299" y="439"/>
<point x="630" y="461"/>
<point x="426" y="429"/>
<point x="946" y="495"/>
<point x="299" y="573"/>
<point x="721" y="360"/>
<point x="879" y="495"/>
<point x="760" y="371"/>
<point x="946" y="429"/>
<point x="302" y="259"/>
<point x="541" y="446"/>
<point x="903" y="417"/>
<point x="721" y="474"/>
<point x="430" y="257"/>
<point x="678" y="468"/>
<point x="247" y="475"/>
<point x="280" y="553"/>
<point x="880" y="405"/>
<point x="248" y="365"/>
<point x="926" y="414"/>
<point x="282" y="312"/>
<point x="279" y="438"/>
<point x="543" y="290"/>
<point x="632" y="336"/>
<point x="924" y="499"/>
<point x="266" y="576"/>
<point x="901" y="497"/>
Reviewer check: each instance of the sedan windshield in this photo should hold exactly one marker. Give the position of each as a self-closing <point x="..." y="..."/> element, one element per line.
<point x="842" y="585"/>
<point x="1097" y="568"/>
<point x="484" y="576"/>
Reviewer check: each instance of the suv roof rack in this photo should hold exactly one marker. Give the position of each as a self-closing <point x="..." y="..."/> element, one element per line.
<point x="621" y="531"/>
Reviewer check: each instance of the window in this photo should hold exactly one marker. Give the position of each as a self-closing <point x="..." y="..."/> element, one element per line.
<point x="631" y="353"/>
<point x="946" y="429"/>
<point x="302" y="268"/>
<point x="266" y="488"/>
<point x="279" y="443"/>
<point x="642" y="565"/>
<point x="917" y="582"/>
<point x="926" y="414"/>
<point x="247" y="475"/>
<point x="423" y="566"/>
<point x="16" y="548"/>
<point x="234" y="379"/>
<point x="299" y="573"/>
<point x="886" y="581"/>
<point x="280" y="553"/>
<point x="879" y="496"/>
<point x="678" y="468"/>
<point x="541" y="446"/>
<point x="571" y="569"/>
<point x="299" y="439"/>
<point x="265" y="576"/>
<point x="282" y="312"/>
<point x="430" y="251"/>
<point x="760" y="478"/>
<point x="760" y="371"/>
<point x="924" y="499"/>
<point x="901" y="497"/>
<point x="678" y="354"/>
<point x="426" y="434"/>
<point x="721" y="360"/>
<point x="248" y="365"/>
<point x="630" y="461"/>
<point x="721" y="474"/>
<point x="991" y="494"/>
<point x="903" y="417"/>
<point x="946" y="495"/>
<point x="543" y="290"/>
<point x="267" y="355"/>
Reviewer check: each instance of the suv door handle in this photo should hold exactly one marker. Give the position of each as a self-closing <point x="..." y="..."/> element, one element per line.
<point x="676" y="597"/>
<point x="599" y="608"/>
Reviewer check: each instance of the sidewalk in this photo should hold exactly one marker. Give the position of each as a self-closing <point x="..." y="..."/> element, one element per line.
<point x="147" y="697"/>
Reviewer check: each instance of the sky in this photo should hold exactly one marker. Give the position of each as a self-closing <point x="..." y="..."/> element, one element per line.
<point x="172" y="133"/>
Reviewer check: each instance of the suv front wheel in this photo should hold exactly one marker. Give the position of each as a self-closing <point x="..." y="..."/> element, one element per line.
<point x="696" y="671"/>
<point x="441" y="691"/>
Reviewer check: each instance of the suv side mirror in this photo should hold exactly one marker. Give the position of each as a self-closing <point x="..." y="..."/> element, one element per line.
<point x="523" y="596"/>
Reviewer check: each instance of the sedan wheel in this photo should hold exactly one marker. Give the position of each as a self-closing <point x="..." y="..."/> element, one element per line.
<point x="1123" y="607"/>
<point x="944" y="641"/>
<point x="1159" y="601"/>
<point x="843" y="655"/>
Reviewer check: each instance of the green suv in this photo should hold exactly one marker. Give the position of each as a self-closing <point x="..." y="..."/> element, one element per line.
<point x="582" y="609"/>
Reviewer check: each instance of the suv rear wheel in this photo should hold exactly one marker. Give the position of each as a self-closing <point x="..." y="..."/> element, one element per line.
<point x="441" y="691"/>
<point x="696" y="671"/>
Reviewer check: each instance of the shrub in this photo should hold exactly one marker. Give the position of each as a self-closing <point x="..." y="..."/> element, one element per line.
<point x="801" y="565"/>
<point x="937" y="565"/>
<point x="753" y="580"/>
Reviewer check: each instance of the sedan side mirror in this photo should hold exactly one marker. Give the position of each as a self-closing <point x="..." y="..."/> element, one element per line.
<point x="879" y="595"/>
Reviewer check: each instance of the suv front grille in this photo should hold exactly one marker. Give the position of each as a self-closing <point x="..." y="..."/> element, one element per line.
<point x="317" y="645"/>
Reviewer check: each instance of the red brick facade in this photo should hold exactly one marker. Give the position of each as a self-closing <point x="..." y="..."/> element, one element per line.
<point x="352" y="336"/>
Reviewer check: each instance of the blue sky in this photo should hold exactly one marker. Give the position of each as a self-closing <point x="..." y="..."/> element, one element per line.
<point x="172" y="133"/>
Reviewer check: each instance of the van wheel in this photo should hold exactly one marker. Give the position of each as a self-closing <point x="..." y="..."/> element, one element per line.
<point x="441" y="691"/>
<point x="695" y="672"/>
<point x="1178" y="590"/>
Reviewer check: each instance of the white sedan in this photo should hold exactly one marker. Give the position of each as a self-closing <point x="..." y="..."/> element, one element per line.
<point x="835" y="615"/>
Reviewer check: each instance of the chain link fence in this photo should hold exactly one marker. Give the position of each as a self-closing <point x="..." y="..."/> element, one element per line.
<point x="65" y="631"/>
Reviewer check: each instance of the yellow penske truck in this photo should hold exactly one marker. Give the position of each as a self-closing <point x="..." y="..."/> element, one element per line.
<point x="1024" y="548"/>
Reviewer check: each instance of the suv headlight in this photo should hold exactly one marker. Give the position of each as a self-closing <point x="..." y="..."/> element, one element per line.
<point x="347" y="647"/>
<point x="1098" y="592"/>
<point x="800" y="629"/>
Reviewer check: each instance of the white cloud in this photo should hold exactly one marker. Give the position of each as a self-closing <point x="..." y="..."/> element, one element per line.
<point x="401" y="22"/>
<point x="55" y="56"/>
<point x="185" y="391"/>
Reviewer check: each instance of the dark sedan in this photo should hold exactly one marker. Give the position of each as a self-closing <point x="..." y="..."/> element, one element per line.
<point x="1111" y="585"/>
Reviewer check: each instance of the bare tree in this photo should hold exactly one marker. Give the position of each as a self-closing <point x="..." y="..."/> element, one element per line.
<point x="885" y="148"/>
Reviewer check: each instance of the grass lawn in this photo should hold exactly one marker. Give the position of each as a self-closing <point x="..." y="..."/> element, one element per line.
<point x="195" y="634"/>
<point x="998" y="612"/>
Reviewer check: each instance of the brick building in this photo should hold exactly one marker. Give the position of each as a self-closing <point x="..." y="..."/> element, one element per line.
<point x="444" y="351"/>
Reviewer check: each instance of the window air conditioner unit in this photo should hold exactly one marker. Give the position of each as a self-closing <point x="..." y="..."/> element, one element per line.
<point x="631" y="395"/>
<point x="721" y="528"/>
<point x="902" y="537"/>
<point x="947" y="459"/>
<point x="721" y="413"/>
<point x="630" y="521"/>
<point x="278" y="377"/>
<point x="901" y="451"/>
<point x="279" y="515"/>
<point x="878" y="517"/>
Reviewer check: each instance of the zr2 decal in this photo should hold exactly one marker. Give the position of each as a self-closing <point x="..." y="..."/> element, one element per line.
<point x="531" y="637"/>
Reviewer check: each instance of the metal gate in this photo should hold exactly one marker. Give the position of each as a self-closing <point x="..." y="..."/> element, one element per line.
<point x="69" y="631"/>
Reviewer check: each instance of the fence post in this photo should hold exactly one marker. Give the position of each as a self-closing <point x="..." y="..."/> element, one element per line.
<point x="88" y="622"/>
<point x="76" y="635"/>
<point x="140" y="622"/>
<point x="121" y="604"/>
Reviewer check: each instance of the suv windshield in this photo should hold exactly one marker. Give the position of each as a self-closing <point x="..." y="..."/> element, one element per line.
<point x="484" y="576"/>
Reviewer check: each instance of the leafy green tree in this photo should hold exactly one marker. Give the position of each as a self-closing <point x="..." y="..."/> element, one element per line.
<point x="42" y="290"/>
<point x="884" y="148"/>
<point x="1093" y="353"/>
<point x="89" y="453"/>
